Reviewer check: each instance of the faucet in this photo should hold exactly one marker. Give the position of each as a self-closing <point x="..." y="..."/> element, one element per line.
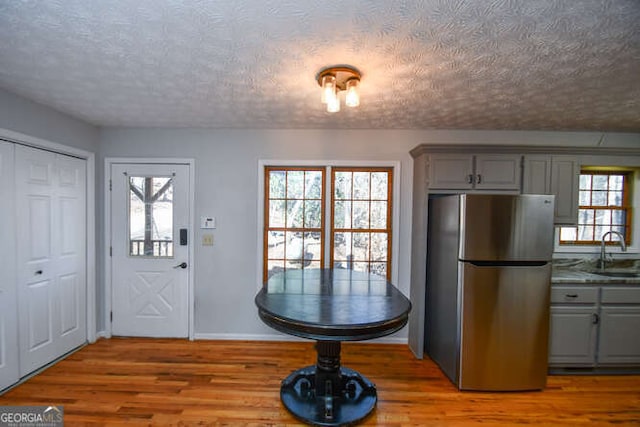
<point x="603" y="255"/>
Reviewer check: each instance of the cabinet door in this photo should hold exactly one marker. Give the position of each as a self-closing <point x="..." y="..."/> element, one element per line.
<point x="498" y="172"/>
<point x="536" y="175"/>
<point x="619" y="341"/>
<point x="9" y="372"/>
<point x="451" y="171"/>
<point x="572" y="336"/>
<point x="565" y="175"/>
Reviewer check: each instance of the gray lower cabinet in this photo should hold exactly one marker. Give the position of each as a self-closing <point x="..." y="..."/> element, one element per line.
<point x="573" y="326"/>
<point x="594" y="326"/>
<point x="572" y="339"/>
<point x="619" y="340"/>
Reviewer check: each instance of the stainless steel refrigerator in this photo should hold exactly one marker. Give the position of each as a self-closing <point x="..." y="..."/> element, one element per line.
<point x="488" y="289"/>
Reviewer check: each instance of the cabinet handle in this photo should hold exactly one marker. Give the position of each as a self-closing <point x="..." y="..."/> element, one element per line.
<point x="38" y="272"/>
<point x="596" y="319"/>
<point x="571" y="295"/>
<point x="479" y="179"/>
<point x="470" y="179"/>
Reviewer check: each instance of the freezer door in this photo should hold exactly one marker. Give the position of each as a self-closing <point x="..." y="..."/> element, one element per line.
<point x="505" y="327"/>
<point x="504" y="227"/>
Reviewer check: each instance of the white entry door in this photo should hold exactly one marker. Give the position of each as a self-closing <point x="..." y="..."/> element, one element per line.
<point x="9" y="370"/>
<point x="51" y="255"/>
<point x="150" y="253"/>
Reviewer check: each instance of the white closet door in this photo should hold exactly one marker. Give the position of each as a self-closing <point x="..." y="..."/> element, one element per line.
<point x="51" y="224"/>
<point x="9" y="369"/>
<point x="70" y="250"/>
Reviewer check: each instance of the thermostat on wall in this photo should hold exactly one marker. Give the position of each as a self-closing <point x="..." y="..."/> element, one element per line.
<point x="207" y="222"/>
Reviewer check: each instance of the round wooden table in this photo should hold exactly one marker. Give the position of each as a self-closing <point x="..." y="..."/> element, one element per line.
<point x="331" y="306"/>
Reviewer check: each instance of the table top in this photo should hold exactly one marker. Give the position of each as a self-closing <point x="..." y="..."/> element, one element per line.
<point x="332" y="305"/>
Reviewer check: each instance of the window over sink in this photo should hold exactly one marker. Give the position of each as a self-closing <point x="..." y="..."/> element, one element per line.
<point x="605" y="204"/>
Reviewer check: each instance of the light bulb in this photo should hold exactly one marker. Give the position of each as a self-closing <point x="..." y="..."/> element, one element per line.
<point x="353" y="98"/>
<point x="328" y="88"/>
<point x="333" y="103"/>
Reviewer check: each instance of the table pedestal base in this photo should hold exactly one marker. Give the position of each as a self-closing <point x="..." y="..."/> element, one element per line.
<point x="327" y="394"/>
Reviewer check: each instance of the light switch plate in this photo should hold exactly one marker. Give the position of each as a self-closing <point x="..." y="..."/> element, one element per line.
<point x="207" y="222"/>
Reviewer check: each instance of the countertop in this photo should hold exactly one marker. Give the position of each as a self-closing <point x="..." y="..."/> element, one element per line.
<point x="565" y="275"/>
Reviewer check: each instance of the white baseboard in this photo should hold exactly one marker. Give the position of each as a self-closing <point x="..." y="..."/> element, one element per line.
<point x="269" y="337"/>
<point x="103" y="334"/>
<point x="246" y="337"/>
<point x="284" y="337"/>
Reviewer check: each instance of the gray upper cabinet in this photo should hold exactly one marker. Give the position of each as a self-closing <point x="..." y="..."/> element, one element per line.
<point x="565" y="176"/>
<point x="536" y="174"/>
<point x="451" y="172"/>
<point x="475" y="172"/>
<point x="557" y="175"/>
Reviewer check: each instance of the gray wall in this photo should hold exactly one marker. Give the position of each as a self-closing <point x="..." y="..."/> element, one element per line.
<point x="21" y="115"/>
<point x="226" y="174"/>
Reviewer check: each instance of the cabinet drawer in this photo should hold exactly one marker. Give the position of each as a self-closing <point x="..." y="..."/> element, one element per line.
<point x="574" y="295"/>
<point x="620" y="295"/>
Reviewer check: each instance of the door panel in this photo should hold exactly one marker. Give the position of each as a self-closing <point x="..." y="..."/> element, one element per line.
<point x="619" y="343"/>
<point x="9" y="369"/>
<point x="51" y="250"/>
<point x="39" y="320"/>
<point x="572" y="336"/>
<point x="498" y="172"/>
<point x="70" y="316"/>
<point x="150" y="293"/>
<point x="39" y="229"/>
<point x="451" y="171"/>
<point x="505" y="324"/>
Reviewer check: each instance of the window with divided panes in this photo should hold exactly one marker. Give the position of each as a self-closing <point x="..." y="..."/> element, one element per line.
<point x="358" y="225"/>
<point x="604" y="205"/>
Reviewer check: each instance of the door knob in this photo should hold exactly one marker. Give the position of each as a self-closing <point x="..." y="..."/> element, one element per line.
<point x="181" y="265"/>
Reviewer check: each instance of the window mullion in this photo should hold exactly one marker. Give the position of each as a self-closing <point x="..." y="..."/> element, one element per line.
<point x="328" y="217"/>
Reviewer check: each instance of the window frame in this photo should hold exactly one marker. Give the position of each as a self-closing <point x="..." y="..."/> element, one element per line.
<point x="396" y="167"/>
<point x="627" y="208"/>
<point x="389" y="223"/>
<point x="285" y="229"/>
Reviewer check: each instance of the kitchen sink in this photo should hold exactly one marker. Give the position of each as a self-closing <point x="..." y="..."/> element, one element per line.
<point x="617" y="273"/>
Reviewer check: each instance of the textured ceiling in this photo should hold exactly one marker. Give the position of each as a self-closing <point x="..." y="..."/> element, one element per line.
<point x="447" y="64"/>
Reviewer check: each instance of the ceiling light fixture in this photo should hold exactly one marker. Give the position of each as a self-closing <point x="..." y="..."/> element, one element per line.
<point x="334" y="79"/>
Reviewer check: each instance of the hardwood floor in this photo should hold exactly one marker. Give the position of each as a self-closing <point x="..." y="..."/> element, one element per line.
<point x="126" y="381"/>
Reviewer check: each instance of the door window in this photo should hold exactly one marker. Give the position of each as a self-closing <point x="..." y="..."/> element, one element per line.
<point x="151" y="216"/>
